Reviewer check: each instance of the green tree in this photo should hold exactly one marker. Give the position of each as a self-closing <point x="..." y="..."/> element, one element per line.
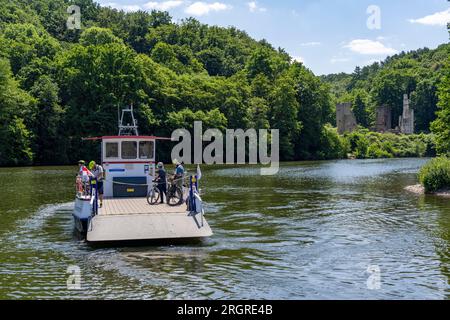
<point x="136" y="25"/>
<point x="315" y="110"/>
<point x="94" y="81"/>
<point x="333" y="146"/>
<point x="389" y="87"/>
<point x="185" y="119"/>
<point x="258" y="113"/>
<point x="424" y="102"/>
<point x="360" y="108"/>
<point x="15" y="107"/>
<point x="284" y="113"/>
<point x="49" y="139"/>
<point x="261" y="62"/>
<point x="441" y="126"/>
<point x="213" y="60"/>
<point x="98" y="36"/>
<point x="260" y="86"/>
<point x="22" y="43"/>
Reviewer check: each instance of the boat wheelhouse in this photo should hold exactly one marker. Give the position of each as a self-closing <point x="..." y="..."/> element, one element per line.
<point x="129" y="164"/>
<point x="129" y="167"/>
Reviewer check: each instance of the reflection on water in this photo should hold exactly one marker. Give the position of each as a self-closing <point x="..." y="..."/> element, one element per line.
<point x="309" y="232"/>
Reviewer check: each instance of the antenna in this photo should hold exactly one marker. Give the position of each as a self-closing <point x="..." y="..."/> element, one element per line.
<point x="128" y="129"/>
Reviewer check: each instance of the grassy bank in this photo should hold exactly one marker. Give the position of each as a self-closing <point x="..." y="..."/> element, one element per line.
<point x="435" y="175"/>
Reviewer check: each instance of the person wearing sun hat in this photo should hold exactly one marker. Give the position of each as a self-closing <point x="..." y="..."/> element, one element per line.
<point x="83" y="171"/>
<point x="179" y="173"/>
<point x="83" y="175"/>
<point x="99" y="174"/>
<point x="161" y="180"/>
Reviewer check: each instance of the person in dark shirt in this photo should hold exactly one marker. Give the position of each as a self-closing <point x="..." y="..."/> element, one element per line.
<point x="161" y="180"/>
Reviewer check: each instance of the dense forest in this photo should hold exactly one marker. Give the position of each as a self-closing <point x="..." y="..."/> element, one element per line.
<point x="58" y="85"/>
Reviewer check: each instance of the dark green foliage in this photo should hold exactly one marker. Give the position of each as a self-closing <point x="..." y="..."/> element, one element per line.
<point x="315" y="111"/>
<point x="21" y="43"/>
<point x="441" y="127"/>
<point x="424" y="101"/>
<point x="360" y="108"/>
<point x="371" y="145"/>
<point x="185" y="119"/>
<point x="333" y="146"/>
<point x="48" y="139"/>
<point x="284" y="115"/>
<point x="435" y="175"/>
<point x="16" y="108"/>
<point x="98" y="36"/>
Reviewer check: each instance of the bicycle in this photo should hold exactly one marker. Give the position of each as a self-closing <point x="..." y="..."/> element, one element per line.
<point x="153" y="195"/>
<point x="174" y="195"/>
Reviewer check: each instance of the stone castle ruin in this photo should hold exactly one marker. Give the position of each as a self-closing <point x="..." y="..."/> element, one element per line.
<point x="383" y="119"/>
<point x="346" y="121"/>
<point x="406" y="120"/>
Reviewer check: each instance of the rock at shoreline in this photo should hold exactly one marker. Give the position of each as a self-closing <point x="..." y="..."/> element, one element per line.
<point x="419" y="189"/>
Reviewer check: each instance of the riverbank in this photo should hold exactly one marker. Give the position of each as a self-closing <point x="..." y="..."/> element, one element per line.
<point x="419" y="189"/>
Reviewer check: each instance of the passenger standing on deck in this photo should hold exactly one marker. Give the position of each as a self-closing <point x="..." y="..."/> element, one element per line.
<point x="84" y="174"/>
<point x="179" y="174"/>
<point x="99" y="174"/>
<point x="161" y="179"/>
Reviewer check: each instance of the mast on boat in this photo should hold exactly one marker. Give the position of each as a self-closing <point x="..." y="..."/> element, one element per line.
<point x="128" y="129"/>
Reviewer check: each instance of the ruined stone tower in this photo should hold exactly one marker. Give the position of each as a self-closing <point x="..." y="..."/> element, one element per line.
<point x="345" y="119"/>
<point x="384" y="119"/>
<point x="406" y="120"/>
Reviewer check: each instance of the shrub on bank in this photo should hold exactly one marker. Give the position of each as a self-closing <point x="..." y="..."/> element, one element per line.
<point x="333" y="146"/>
<point x="365" y="144"/>
<point x="435" y="175"/>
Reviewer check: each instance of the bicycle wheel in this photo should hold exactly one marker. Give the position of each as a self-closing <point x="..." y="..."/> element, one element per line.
<point x="175" y="197"/>
<point x="153" y="196"/>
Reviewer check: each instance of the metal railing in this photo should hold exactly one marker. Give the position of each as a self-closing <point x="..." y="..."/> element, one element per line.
<point x="94" y="195"/>
<point x="88" y="190"/>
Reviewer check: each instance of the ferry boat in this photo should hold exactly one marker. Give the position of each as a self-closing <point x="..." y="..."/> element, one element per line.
<point x="128" y="160"/>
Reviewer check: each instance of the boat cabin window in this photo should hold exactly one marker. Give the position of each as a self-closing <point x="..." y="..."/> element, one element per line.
<point x="129" y="149"/>
<point x="112" y="149"/>
<point x="146" y="149"/>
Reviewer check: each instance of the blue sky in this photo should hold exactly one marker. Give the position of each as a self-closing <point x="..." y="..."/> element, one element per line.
<point x="329" y="36"/>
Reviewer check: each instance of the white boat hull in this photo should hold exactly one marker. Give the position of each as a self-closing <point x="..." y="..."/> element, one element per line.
<point x="81" y="213"/>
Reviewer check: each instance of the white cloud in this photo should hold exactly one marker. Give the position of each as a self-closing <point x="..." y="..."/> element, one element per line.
<point x="339" y="60"/>
<point x="370" y="47"/>
<point x="163" y="5"/>
<point x="310" y="44"/>
<point x="200" y="8"/>
<point x="131" y="7"/>
<point x="253" y="7"/>
<point x="436" y="19"/>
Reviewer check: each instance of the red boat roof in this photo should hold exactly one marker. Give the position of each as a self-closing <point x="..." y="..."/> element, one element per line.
<point x="127" y="137"/>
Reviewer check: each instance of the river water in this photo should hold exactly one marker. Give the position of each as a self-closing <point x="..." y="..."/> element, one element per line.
<point x="317" y="230"/>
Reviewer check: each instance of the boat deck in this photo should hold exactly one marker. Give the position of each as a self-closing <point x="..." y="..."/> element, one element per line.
<point x="123" y="206"/>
